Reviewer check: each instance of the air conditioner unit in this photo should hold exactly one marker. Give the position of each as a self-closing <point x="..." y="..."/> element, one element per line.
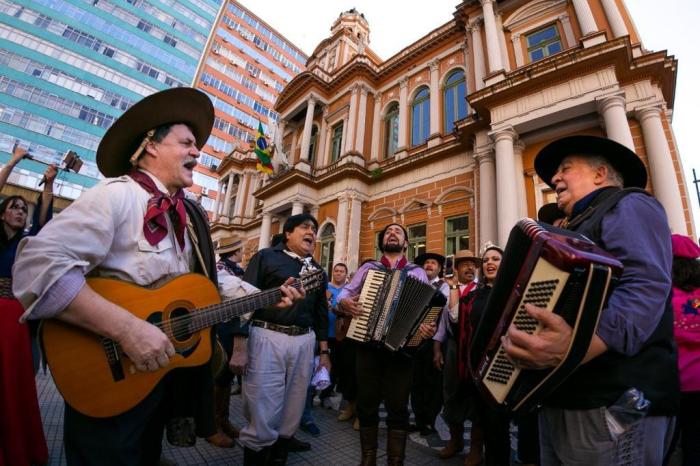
<point x="205" y="191"/>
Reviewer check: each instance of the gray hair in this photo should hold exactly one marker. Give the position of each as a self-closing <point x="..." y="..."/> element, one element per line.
<point x="614" y="176"/>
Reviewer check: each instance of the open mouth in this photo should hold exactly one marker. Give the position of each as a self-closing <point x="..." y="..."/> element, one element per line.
<point x="560" y="190"/>
<point x="191" y="164"/>
<point x="308" y="240"/>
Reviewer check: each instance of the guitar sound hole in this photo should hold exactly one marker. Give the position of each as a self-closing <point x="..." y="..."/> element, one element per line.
<point x="179" y="324"/>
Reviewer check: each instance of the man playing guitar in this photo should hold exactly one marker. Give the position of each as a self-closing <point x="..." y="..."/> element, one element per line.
<point x="132" y="226"/>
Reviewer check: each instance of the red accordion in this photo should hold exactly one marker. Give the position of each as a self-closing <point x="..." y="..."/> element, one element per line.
<point x="551" y="268"/>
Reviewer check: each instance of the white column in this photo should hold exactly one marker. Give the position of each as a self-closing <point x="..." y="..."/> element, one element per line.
<point x="492" y="48"/>
<point x="502" y="43"/>
<point x="297" y="207"/>
<point x="585" y="17"/>
<point x="361" y="121"/>
<point x="403" y="113"/>
<point x="327" y="144"/>
<point x="353" y="239"/>
<point x="227" y="199"/>
<point x="617" y="24"/>
<point x="240" y="202"/>
<point x="376" y="128"/>
<point x="265" y="230"/>
<point x="506" y="199"/>
<point x="518" y="148"/>
<point x="216" y="202"/>
<point x="308" y="123"/>
<point x="435" y="96"/>
<point x="612" y="108"/>
<point x="279" y="136"/>
<point x="478" y="51"/>
<point x="568" y="30"/>
<point x="352" y="119"/>
<point x="313" y="210"/>
<point x="518" y="50"/>
<point x="661" y="168"/>
<point x="488" y="227"/>
<point x="250" y="205"/>
<point x="341" y="229"/>
<point x="321" y="138"/>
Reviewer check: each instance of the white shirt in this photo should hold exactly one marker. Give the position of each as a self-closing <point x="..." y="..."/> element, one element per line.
<point x="101" y="234"/>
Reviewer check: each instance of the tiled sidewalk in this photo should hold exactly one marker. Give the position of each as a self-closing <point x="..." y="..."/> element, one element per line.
<point x="338" y="443"/>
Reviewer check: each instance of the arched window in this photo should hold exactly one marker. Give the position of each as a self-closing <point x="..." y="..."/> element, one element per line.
<point x="391" y="130"/>
<point x="420" y="117"/>
<point x="455" y="101"/>
<point x="327" y="240"/>
<point x="312" y="145"/>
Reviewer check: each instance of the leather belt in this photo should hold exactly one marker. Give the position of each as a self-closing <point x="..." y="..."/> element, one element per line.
<point x="6" y="288"/>
<point x="291" y="330"/>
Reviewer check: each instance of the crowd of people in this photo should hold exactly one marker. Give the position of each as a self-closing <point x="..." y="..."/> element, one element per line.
<point x="139" y="225"/>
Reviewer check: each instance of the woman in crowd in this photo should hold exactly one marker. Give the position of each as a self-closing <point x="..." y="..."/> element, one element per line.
<point x="22" y="440"/>
<point x="686" y="313"/>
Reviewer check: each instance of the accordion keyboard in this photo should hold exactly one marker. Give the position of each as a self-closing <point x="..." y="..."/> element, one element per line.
<point x="359" y="326"/>
<point x="430" y="318"/>
<point x="543" y="290"/>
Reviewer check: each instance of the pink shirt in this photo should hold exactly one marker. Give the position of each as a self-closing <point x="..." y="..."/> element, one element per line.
<point x="686" y="323"/>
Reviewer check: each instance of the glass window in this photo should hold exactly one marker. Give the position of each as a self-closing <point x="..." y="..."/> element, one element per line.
<point x="420" y="117"/>
<point x="456" y="234"/>
<point x="391" y="130"/>
<point x="416" y="241"/>
<point x="336" y="142"/>
<point x="327" y="240"/>
<point x="455" y="101"/>
<point x="312" y="145"/>
<point x="543" y="43"/>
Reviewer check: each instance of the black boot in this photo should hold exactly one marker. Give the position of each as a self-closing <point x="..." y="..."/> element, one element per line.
<point x="279" y="451"/>
<point x="256" y="458"/>
<point x="368" y="443"/>
<point x="395" y="447"/>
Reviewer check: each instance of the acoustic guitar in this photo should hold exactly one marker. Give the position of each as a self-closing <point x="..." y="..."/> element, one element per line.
<point x="94" y="375"/>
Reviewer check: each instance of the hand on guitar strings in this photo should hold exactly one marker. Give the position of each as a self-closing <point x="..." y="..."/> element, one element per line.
<point x="146" y="345"/>
<point x="350" y="306"/>
<point x="545" y="349"/>
<point x="290" y="294"/>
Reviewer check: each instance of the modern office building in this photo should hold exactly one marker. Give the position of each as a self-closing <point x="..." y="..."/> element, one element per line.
<point x="441" y="136"/>
<point x="245" y="67"/>
<point x="69" y="68"/>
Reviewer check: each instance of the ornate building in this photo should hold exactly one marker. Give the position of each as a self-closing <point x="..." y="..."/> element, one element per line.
<point x="441" y="137"/>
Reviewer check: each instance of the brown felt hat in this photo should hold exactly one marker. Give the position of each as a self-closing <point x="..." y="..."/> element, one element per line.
<point x="184" y="105"/>
<point x="466" y="254"/>
<point x="620" y="157"/>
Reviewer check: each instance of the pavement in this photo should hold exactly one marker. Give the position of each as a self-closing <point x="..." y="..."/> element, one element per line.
<point x="338" y="443"/>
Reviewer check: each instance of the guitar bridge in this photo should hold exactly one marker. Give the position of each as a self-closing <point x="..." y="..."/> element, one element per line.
<point x="112" y="352"/>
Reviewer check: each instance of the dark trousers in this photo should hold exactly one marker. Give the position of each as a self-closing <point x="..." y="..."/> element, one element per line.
<point x="528" y="438"/>
<point x="335" y="369"/>
<point x="133" y="438"/>
<point x="383" y="376"/>
<point x="347" y="361"/>
<point x="689" y="427"/>
<point x="496" y="427"/>
<point x="426" y="388"/>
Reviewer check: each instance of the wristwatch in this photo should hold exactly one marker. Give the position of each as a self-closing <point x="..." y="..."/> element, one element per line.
<point x="454" y="287"/>
<point x="325" y="351"/>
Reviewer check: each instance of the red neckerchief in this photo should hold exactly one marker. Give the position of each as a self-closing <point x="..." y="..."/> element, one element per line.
<point x="155" y="225"/>
<point x="400" y="264"/>
<point x="467" y="289"/>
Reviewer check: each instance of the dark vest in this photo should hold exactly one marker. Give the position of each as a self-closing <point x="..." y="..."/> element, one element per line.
<point x="653" y="370"/>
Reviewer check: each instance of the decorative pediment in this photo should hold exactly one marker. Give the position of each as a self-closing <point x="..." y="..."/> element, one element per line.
<point x="327" y="228"/>
<point x="415" y="204"/>
<point x="382" y="212"/>
<point x="454" y="194"/>
<point x="533" y="10"/>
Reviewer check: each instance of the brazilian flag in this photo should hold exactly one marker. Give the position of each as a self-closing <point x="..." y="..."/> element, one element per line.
<point x="262" y="150"/>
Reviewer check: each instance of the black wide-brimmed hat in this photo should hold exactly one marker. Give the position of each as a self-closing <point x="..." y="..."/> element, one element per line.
<point x="620" y="157"/>
<point x="171" y="106"/>
<point x="548" y="213"/>
<point x="420" y="260"/>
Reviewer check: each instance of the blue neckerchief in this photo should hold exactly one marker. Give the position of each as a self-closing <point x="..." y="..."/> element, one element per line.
<point x="585" y="201"/>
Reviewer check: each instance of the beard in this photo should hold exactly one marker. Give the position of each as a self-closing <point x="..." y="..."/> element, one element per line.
<point x="393" y="247"/>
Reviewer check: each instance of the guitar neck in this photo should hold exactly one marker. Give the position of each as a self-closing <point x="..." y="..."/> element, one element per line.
<point x="211" y="315"/>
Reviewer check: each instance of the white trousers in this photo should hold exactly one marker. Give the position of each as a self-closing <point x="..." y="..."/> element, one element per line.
<point x="274" y="387"/>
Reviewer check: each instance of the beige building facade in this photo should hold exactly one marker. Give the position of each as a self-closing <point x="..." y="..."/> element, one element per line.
<point x="441" y="137"/>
